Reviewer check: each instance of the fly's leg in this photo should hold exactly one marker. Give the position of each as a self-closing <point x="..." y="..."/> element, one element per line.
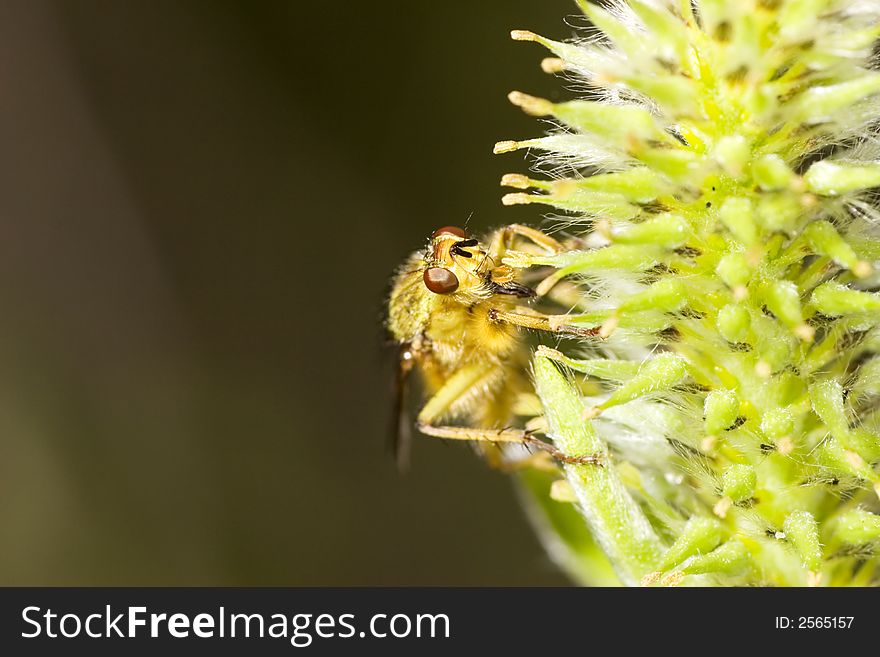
<point x="539" y="322"/>
<point x="503" y="240"/>
<point x="455" y="389"/>
<point x="518" y="436"/>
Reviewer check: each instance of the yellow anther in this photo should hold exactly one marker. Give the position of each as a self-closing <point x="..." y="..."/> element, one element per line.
<point x="523" y="35"/>
<point x="505" y="147"/>
<point x="515" y="180"/>
<point x="552" y="65"/>
<point x="530" y="104"/>
<point x="517" y="198"/>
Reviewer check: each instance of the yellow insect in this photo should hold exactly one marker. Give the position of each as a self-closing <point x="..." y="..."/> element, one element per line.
<point x="458" y="314"/>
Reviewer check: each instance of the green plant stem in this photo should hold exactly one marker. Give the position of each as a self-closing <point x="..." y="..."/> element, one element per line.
<point x="616" y="521"/>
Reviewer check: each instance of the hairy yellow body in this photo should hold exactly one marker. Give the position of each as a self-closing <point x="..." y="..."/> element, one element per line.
<point x="457" y="313"/>
<point x="455" y="333"/>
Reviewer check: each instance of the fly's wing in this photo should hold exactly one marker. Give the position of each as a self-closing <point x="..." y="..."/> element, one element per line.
<point x="400" y="430"/>
<point x="512" y="288"/>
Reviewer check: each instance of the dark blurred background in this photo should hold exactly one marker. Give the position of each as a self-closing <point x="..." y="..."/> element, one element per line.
<point x="200" y="205"/>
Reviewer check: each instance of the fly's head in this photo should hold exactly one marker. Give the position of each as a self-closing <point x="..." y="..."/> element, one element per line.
<point x="462" y="267"/>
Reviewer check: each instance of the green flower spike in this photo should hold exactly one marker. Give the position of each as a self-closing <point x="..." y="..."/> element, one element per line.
<point x="719" y="172"/>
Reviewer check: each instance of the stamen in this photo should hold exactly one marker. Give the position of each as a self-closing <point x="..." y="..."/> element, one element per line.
<point x="530" y="104"/>
<point x="609" y="326"/>
<point x="722" y="507"/>
<point x="505" y="147"/>
<point x="552" y="65"/>
<point x="517" y="198"/>
<point x="785" y="445"/>
<point x="805" y="332"/>
<point x="854" y="459"/>
<point x="763" y="369"/>
<point x="523" y="35"/>
<point x="591" y="413"/>
<point x="515" y="180"/>
<point x="562" y="491"/>
<point x="862" y="269"/>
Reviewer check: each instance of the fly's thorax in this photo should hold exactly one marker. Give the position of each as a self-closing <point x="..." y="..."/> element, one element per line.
<point x="489" y="336"/>
<point x="461" y="333"/>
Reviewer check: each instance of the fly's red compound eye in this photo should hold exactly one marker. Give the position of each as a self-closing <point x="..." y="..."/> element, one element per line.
<point x="452" y="230"/>
<point x="440" y="281"/>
